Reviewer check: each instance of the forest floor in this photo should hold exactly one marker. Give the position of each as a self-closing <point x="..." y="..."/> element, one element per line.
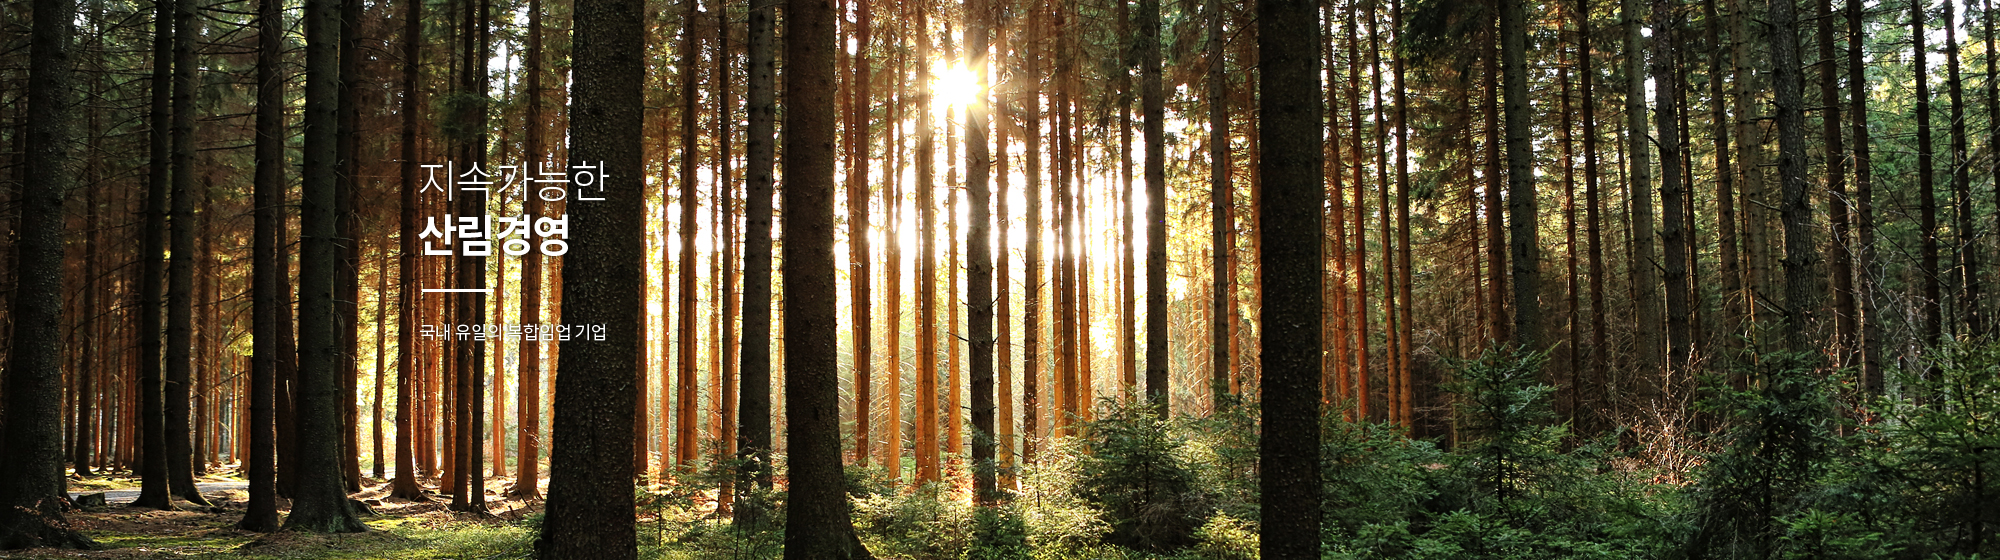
<point x="400" y="529"/>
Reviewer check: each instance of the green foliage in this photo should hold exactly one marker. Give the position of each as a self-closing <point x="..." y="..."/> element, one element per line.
<point x="930" y="523"/>
<point x="1779" y="446"/>
<point x="1137" y="476"/>
<point x="1925" y="478"/>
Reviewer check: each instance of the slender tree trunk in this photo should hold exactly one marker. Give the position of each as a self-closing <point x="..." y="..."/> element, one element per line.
<point x="754" y="435"/>
<point x="1673" y="194"/>
<point x="347" y="248"/>
<point x="725" y="196"/>
<point x="927" y="352"/>
<point x="528" y="426"/>
<point x="1932" y="295"/>
<point x="1846" y="318"/>
<point x="1403" y="283"/>
<point x="1221" y="210"/>
<point x="1522" y="206"/>
<point x="153" y="461"/>
<point x="685" y="382"/>
<point x="381" y="342"/>
<point x="1003" y="221"/>
<point x="1031" y="324"/>
<point x="1639" y="193"/>
<point x="1291" y="166"/>
<point x="266" y="293"/>
<point x="1801" y="256"/>
<point x="979" y="269"/>
<point x="1961" y="182"/>
<point x="859" y="255"/>
<point x="180" y="271"/>
<point x="407" y="431"/>
<point x="1153" y="103"/>
<point x="1864" y="172"/>
<point x="1496" y="244"/>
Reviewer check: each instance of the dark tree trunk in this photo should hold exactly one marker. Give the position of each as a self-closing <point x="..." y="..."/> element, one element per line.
<point x="1801" y="256"/>
<point x="347" y="246"/>
<point x="1961" y="183"/>
<point x="1522" y="207"/>
<point x="1639" y="191"/>
<point x="180" y="272"/>
<point x="1931" y="298"/>
<point x="468" y="477"/>
<point x="979" y="255"/>
<point x="405" y="483"/>
<point x="267" y="294"/>
<point x="590" y="483"/>
<point x="1846" y="318"/>
<point x="754" y="408"/>
<point x="1221" y="213"/>
<point x="153" y="471"/>
<point x="32" y="488"/>
<point x="319" y="502"/>
<point x="1864" y="216"/>
<point x="1674" y="220"/>
<point x="859" y="155"/>
<point x="1153" y="104"/>
<point x="817" y="525"/>
<point x="528" y="426"/>
<point x="686" y="273"/>
<point x="1291" y="168"/>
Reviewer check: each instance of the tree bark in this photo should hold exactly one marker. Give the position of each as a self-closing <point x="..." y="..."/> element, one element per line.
<point x="1801" y="255"/>
<point x="1153" y="103"/>
<point x="154" y="473"/>
<point x="979" y="256"/>
<point x="589" y="512"/>
<point x="1931" y="297"/>
<point x="1221" y="212"/>
<point x="1522" y="206"/>
<point x="1639" y="193"/>
<point x="1291" y="168"/>
<point x="754" y="408"/>
<point x="180" y="271"/>
<point x="32" y="487"/>
<point x="404" y="485"/>
<point x="1673" y="193"/>
<point x="817" y="525"/>
<point x="319" y="502"/>
<point x="266" y="291"/>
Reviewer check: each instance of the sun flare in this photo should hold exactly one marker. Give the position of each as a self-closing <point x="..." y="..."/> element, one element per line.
<point x="952" y="85"/>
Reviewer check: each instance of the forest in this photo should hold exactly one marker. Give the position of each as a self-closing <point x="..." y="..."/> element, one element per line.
<point x="1000" y="279"/>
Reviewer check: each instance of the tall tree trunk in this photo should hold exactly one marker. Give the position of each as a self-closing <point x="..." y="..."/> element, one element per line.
<point x="381" y="315"/>
<point x="1864" y="216"/>
<point x="470" y="356"/>
<point x="1801" y="256"/>
<point x="685" y="383"/>
<point x="1755" y="201"/>
<point x="1932" y="295"/>
<point x="347" y="248"/>
<point x="927" y="352"/>
<point x="1639" y="193"/>
<point x="1358" y="267"/>
<point x="859" y="274"/>
<point x="1221" y="210"/>
<point x="180" y="271"/>
<point x="754" y="407"/>
<point x="1846" y="318"/>
<point x="1522" y="206"/>
<point x="817" y="525"/>
<point x="31" y="481"/>
<point x="979" y="254"/>
<point x="725" y="196"/>
<point x="405" y="483"/>
<point x="528" y="426"/>
<point x="1003" y="221"/>
<point x="319" y="502"/>
<point x="1496" y="245"/>
<point x="267" y="294"/>
<point x="153" y="470"/>
<point x="1726" y="221"/>
<point x="590" y="484"/>
<point x="1128" y="345"/>
<point x="1961" y="183"/>
<point x="1031" y="322"/>
<point x="1153" y="103"/>
<point x="1290" y="111"/>
<point x="1674" y="218"/>
<point x="1403" y="282"/>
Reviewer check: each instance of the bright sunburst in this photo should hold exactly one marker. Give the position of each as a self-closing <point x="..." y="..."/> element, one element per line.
<point x="953" y="85"/>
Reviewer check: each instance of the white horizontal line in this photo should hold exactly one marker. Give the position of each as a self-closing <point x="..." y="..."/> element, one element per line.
<point x="459" y="290"/>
